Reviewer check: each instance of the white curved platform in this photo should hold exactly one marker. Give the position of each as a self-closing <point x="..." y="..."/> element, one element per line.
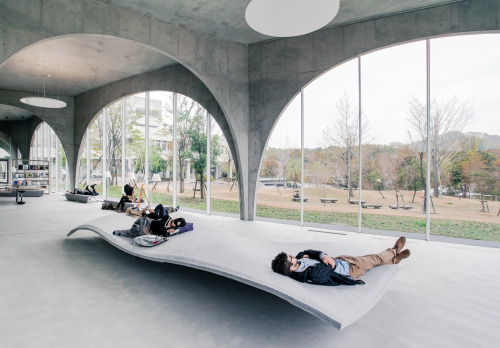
<point x="222" y="246"/>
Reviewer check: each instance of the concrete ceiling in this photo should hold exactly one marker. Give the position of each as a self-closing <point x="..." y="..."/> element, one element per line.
<point x="83" y="62"/>
<point x="225" y="19"/>
<point x="76" y="64"/>
<point x="11" y="113"/>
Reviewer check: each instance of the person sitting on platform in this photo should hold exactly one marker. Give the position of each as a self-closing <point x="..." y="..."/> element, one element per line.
<point x="129" y="197"/>
<point x="316" y="267"/>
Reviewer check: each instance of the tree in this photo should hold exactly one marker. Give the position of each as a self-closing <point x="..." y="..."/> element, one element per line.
<point x="480" y="169"/>
<point x="446" y="121"/>
<point x="270" y="165"/>
<point x="187" y="110"/>
<point x="156" y="162"/>
<point x="344" y="132"/>
<point x="197" y="152"/>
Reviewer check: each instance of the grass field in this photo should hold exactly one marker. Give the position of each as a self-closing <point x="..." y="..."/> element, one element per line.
<point x="455" y="226"/>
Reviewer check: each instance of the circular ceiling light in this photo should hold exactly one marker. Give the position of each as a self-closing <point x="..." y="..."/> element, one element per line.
<point x="43" y="102"/>
<point x="285" y="18"/>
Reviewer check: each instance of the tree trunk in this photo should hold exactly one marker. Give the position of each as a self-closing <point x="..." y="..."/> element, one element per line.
<point x="422" y="178"/>
<point x="202" y="194"/>
<point x="349" y="186"/>
<point x="181" y="174"/>
<point x="436" y="173"/>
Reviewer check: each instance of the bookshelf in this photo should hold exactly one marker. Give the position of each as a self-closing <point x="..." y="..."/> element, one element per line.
<point x="31" y="174"/>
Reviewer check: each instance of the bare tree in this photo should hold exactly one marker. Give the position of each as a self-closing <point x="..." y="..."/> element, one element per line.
<point x="344" y="132"/>
<point x="446" y="120"/>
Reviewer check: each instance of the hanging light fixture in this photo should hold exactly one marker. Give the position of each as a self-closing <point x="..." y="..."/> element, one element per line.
<point x="44" y="102"/>
<point x="284" y="18"/>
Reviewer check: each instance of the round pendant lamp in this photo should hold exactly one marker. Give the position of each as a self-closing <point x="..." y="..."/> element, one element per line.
<point x="285" y="18"/>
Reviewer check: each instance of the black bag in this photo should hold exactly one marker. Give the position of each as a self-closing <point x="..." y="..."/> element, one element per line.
<point x="107" y="206"/>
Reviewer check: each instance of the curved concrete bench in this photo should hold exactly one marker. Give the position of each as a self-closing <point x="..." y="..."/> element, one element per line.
<point x="241" y="256"/>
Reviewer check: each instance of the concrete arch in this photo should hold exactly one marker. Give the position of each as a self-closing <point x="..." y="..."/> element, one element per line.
<point x="7" y="144"/>
<point x="279" y="69"/>
<point x="21" y="132"/>
<point x="221" y="65"/>
<point x="60" y="120"/>
<point x="175" y="78"/>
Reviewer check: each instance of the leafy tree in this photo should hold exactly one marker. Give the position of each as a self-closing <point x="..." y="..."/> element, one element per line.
<point x="187" y="110"/>
<point x="156" y="162"/>
<point x="270" y="165"/>
<point x="197" y="152"/>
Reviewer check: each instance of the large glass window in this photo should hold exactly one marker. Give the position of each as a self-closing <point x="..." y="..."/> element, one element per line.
<point x="224" y="188"/>
<point x="331" y="161"/>
<point x="127" y="125"/>
<point x="394" y="160"/>
<point x="279" y="184"/>
<point x="95" y="158"/>
<point x="161" y="147"/>
<point x="192" y="153"/>
<point x="465" y="164"/>
<point x="113" y="171"/>
<point x="388" y="144"/>
<point x="46" y="146"/>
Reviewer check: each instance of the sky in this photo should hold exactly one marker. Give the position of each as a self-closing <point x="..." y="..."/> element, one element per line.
<point x="466" y="67"/>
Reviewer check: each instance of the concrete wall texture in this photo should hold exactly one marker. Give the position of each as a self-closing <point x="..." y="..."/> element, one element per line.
<point x="244" y="88"/>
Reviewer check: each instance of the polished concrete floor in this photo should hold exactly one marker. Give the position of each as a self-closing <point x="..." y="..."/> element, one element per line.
<point x="82" y="292"/>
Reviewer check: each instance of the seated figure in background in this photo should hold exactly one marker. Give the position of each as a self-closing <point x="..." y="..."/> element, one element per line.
<point x="129" y="197"/>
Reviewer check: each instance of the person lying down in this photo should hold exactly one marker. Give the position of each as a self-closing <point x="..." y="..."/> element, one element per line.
<point x="153" y="223"/>
<point x="316" y="267"/>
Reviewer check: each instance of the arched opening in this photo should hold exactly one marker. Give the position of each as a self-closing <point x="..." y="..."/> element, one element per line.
<point x="46" y="151"/>
<point x="165" y="143"/>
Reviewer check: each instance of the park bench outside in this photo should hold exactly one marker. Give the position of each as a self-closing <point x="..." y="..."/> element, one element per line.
<point x="328" y="200"/>
<point x="356" y="202"/>
<point x="374" y="206"/>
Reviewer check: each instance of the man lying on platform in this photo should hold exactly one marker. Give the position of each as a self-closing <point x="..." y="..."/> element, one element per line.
<point x="316" y="267"/>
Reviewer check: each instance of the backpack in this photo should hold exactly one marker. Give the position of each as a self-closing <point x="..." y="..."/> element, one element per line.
<point x="107" y="206"/>
<point x="149" y="240"/>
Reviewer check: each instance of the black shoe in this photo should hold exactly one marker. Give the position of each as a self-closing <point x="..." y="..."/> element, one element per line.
<point x="92" y="186"/>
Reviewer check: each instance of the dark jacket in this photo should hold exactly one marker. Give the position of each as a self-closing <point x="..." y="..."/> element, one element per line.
<point x="320" y="273"/>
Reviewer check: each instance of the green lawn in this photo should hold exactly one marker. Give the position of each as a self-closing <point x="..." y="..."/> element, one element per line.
<point x="448" y="228"/>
